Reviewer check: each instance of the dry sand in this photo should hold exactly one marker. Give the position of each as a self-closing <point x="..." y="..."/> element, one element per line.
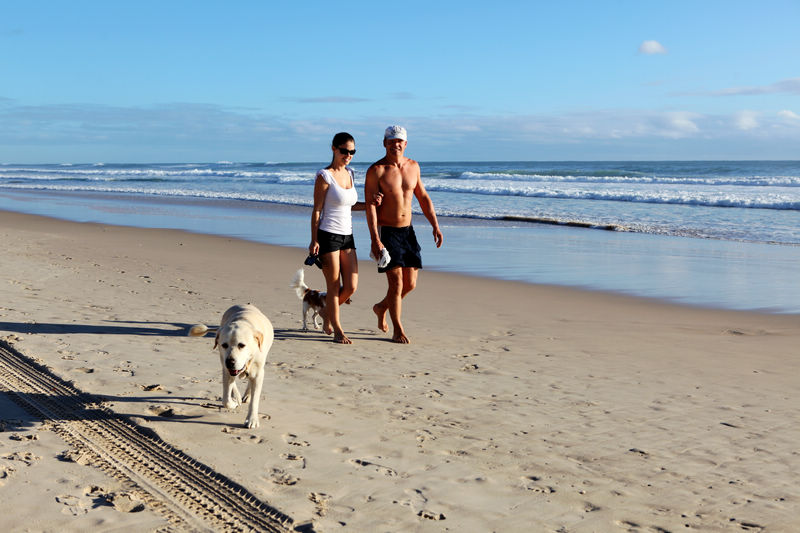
<point x="516" y="407"/>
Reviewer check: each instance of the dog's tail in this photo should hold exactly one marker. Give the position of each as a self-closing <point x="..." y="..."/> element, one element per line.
<point x="198" y="330"/>
<point x="299" y="284"/>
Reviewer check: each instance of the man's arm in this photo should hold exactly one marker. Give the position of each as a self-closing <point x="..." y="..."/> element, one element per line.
<point x="426" y="205"/>
<point x="372" y="188"/>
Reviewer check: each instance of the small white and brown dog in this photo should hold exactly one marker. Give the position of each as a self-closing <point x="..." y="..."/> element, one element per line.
<point x="243" y="339"/>
<point x="313" y="300"/>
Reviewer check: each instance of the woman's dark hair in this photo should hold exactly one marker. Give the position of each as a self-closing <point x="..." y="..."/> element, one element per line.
<point x="341" y="138"/>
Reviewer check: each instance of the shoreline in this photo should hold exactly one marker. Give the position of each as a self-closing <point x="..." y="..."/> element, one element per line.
<point x="699" y="272"/>
<point x="516" y="407"/>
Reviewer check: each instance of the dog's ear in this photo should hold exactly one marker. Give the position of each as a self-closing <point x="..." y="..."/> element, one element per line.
<point x="259" y="338"/>
<point x="216" y="341"/>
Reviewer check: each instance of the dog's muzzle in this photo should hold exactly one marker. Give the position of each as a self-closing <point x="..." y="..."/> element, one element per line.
<point x="230" y="364"/>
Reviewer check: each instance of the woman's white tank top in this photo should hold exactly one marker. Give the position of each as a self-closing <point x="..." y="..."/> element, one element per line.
<point x="336" y="213"/>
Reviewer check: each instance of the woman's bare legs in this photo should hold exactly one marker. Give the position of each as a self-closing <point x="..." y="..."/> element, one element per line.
<point x="341" y="277"/>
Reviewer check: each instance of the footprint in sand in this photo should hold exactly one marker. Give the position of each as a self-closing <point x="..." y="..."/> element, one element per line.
<point x="430" y="515"/>
<point x="123" y="501"/>
<point x="281" y="477"/>
<point x="299" y="459"/>
<point x="532" y="484"/>
<point x="253" y="439"/>
<point x="424" y="435"/>
<point x="11" y="339"/>
<point x="417" y="502"/>
<point x="385" y="470"/>
<point x="162" y="410"/>
<point x="18" y="437"/>
<point x="324" y="505"/>
<point x="589" y="507"/>
<point x="292" y="439"/>
<point x="126" y="502"/>
<point x="73" y="505"/>
<point x="458" y="453"/>
<point x="6" y="471"/>
<point x="79" y="457"/>
<point x="27" y="458"/>
<point x="322" y="502"/>
<point x="127" y="366"/>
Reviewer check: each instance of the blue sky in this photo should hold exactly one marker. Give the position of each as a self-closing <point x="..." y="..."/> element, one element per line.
<point x="194" y="81"/>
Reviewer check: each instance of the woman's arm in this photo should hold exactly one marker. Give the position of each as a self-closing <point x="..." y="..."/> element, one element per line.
<point x="377" y="198"/>
<point x="320" y="191"/>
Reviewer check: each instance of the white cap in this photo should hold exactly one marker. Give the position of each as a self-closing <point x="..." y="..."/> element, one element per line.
<point x="395" y="132"/>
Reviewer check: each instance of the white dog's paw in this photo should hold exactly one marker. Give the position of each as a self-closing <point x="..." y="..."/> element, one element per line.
<point x="231" y="404"/>
<point x="251" y="422"/>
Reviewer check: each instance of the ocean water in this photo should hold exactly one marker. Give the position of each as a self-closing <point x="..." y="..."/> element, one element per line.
<point x="712" y="233"/>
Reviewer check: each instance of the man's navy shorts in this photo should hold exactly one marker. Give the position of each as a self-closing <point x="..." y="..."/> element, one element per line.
<point x="402" y="245"/>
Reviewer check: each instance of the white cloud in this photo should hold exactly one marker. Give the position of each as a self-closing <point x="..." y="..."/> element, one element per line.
<point x="790" y="86"/>
<point x="746" y="120"/>
<point x="682" y="123"/>
<point x="183" y="132"/>
<point x="651" y="48"/>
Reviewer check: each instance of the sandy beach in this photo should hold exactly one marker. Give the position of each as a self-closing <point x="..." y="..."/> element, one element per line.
<point x="517" y="407"/>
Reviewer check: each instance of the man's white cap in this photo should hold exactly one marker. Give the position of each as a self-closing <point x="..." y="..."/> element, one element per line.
<point x="395" y="132"/>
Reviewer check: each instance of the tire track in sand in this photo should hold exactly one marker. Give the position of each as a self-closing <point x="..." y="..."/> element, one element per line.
<point x="189" y="494"/>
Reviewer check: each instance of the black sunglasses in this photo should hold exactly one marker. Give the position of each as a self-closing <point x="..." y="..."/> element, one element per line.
<point x="345" y="151"/>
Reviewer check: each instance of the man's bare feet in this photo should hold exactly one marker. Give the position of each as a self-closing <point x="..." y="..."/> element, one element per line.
<point x="381" y="312"/>
<point x="400" y="338"/>
<point x="341" y="338"/>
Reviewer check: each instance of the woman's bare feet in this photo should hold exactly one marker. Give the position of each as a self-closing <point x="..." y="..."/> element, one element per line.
<point x="381" y="312"/>
<point x="341" y="338"/>
<point x="400" y="338"/>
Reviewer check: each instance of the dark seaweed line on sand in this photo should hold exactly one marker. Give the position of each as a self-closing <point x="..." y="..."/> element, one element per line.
<point x="554" y="222"/>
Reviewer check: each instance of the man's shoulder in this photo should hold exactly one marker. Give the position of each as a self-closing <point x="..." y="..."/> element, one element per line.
<point x="378" y="166"/>
<point x="378" y="163"/>
<point x="411" y="163"/>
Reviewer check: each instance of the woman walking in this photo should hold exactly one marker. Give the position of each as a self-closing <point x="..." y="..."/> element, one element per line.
<point x="335" y="197"/>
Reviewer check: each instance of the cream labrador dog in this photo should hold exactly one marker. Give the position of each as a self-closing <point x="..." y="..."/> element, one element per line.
<point x="243" y="339"/>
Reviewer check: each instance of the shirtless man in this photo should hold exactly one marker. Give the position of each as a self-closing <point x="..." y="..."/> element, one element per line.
<point x="398" y="179"/>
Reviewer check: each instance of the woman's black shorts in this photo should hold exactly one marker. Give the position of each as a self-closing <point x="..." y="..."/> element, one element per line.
<point x="333" y="242"/>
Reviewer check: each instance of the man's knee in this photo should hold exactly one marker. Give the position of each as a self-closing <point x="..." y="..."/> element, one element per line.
<point x="409" y="280"/>
<point x="395" y="279"/>
<point x="409" y="285"/>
